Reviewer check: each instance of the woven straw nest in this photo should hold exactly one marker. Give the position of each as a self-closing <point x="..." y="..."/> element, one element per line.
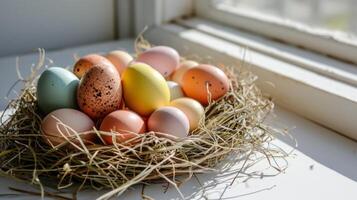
<point x="233" y="125"/>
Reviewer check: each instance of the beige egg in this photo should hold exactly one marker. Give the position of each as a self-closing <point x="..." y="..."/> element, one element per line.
<point x="169" y="120"/>
<point x="120" y="59"/>
<point x="192" y="109"/>
<point x="63" y="122"/>
<point x="184" y="66"/>
<point x="175" y="90"/>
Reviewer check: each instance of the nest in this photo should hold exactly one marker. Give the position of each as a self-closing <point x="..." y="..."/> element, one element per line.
<point x="233" y="125"/>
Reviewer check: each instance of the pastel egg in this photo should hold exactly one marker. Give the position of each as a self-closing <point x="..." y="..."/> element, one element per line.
<point x="144" y="89"/>
<point x="184" y="66"/>
<point x="203" y="82"/>
<point x="175" y="90"/>
<point x="124" y="123"/>
<point x="162" y="58"/>
<point x="56" y="88"/>
<point x="66" y="122"/>
<point x="88" y="61"/>
<point x="169" y="120"/>
<point x="192" y="109"/>
<point x="99" y="92"/>
<point x="120" y="59"/>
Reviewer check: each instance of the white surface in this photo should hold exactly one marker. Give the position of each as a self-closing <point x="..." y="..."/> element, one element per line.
<point x="323" y="167"/>
<point x="27" y="25"/>
<point x="319" y="98"/>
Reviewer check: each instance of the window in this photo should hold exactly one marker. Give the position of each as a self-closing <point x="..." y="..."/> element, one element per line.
<point x="306" y="69"/>
<point x="271" y="19"/>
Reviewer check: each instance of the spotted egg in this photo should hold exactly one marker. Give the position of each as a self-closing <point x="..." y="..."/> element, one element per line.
<point x="205" y="83"/>
<point x="100" y="92"/>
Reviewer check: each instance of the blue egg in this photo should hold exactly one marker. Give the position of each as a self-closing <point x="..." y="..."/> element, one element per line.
<point x="56" y="88"/>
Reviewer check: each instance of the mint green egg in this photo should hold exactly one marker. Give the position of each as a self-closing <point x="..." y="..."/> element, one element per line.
<point x="56" y="88"/>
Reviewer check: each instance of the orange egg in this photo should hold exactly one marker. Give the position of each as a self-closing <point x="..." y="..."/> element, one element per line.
<point x="203" y="82"/>
<point x="88" y="61"/>
<point x="124" y="123"/>
<point x="184" y="66"/>
<point x="63" y="122"/>
<point x="120" y="59"/>
<point x="99" y="92"/>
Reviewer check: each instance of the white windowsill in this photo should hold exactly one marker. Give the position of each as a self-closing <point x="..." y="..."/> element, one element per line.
<point x="323" y="166"/>
<point x="317" y="97"/>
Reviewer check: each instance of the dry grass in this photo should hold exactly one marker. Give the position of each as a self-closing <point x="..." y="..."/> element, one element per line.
<point x="232" y="125"/>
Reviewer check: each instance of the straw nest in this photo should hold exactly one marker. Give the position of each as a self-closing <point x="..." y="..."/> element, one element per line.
<point x="233" y="125"/>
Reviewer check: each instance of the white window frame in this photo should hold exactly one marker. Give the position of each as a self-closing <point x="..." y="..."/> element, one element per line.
<point x="318" y="40"/>
<point x="320" y="92"/>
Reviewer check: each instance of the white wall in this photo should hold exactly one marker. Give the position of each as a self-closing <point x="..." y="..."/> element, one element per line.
<point x="26" y="25"/>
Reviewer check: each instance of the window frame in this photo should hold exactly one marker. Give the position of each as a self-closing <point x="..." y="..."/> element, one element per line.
<point x="294" y="33"/>
<point x="317" y="95"/>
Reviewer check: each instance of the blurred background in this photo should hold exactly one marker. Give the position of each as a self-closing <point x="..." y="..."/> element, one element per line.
<point x="28" y="25"/>
<point x="336" y="15"/>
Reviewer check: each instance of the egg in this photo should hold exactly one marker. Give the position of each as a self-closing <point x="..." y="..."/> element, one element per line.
<point x="162" y="58"/>
<point x="169" y="120"/>
<point x="125" y="123"/>
<point x="193" y="110"/>
<point x="56" y="88"/>
<point x="203" y="82"/>
<point x="175" y="90"/>
<point x="184" y="66"/>
<point x="100" y="92"/>
<point x="120" y="59"/>
<point x="88" y="61"/>
<point x="63" y="122"/>
<point x="144" y="89"/>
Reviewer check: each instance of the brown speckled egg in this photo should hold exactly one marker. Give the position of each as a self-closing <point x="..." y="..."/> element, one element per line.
<point x="88" y="61"/>
<point x="99" y="92"/>
<point x="203" y="82"/>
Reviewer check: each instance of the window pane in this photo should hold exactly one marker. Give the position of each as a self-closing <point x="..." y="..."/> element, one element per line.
<point x="336" y="15"/>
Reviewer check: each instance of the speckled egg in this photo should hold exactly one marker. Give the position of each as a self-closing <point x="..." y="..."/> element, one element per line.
<point x="100" y="92"/>
<point x="120" y="59"/>
<point x="162" y="58"/>
<point x="124" y="124"/>
<point x="169" y="120"/>
<point x="184" y="66"/>
<point x="63" y="122"/>
<point x="56" y="88"/>
<point x="203" y="82"/>
<point x="175" y="90"/>
<point x="88" y="61"/>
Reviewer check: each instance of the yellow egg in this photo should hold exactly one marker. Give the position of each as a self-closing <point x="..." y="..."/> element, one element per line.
<point x="192" y="109"/>
<point x="144" y="89"/>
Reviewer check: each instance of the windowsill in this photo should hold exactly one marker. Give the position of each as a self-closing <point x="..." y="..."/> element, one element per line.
<point x="317" y="97"/>
<point x="323" y="165"/>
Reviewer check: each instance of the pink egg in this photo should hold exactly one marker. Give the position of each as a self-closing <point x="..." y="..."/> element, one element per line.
<point x="63" y="122"/>
<point x="164" y="59"/>
<point x="169" y="120"/>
